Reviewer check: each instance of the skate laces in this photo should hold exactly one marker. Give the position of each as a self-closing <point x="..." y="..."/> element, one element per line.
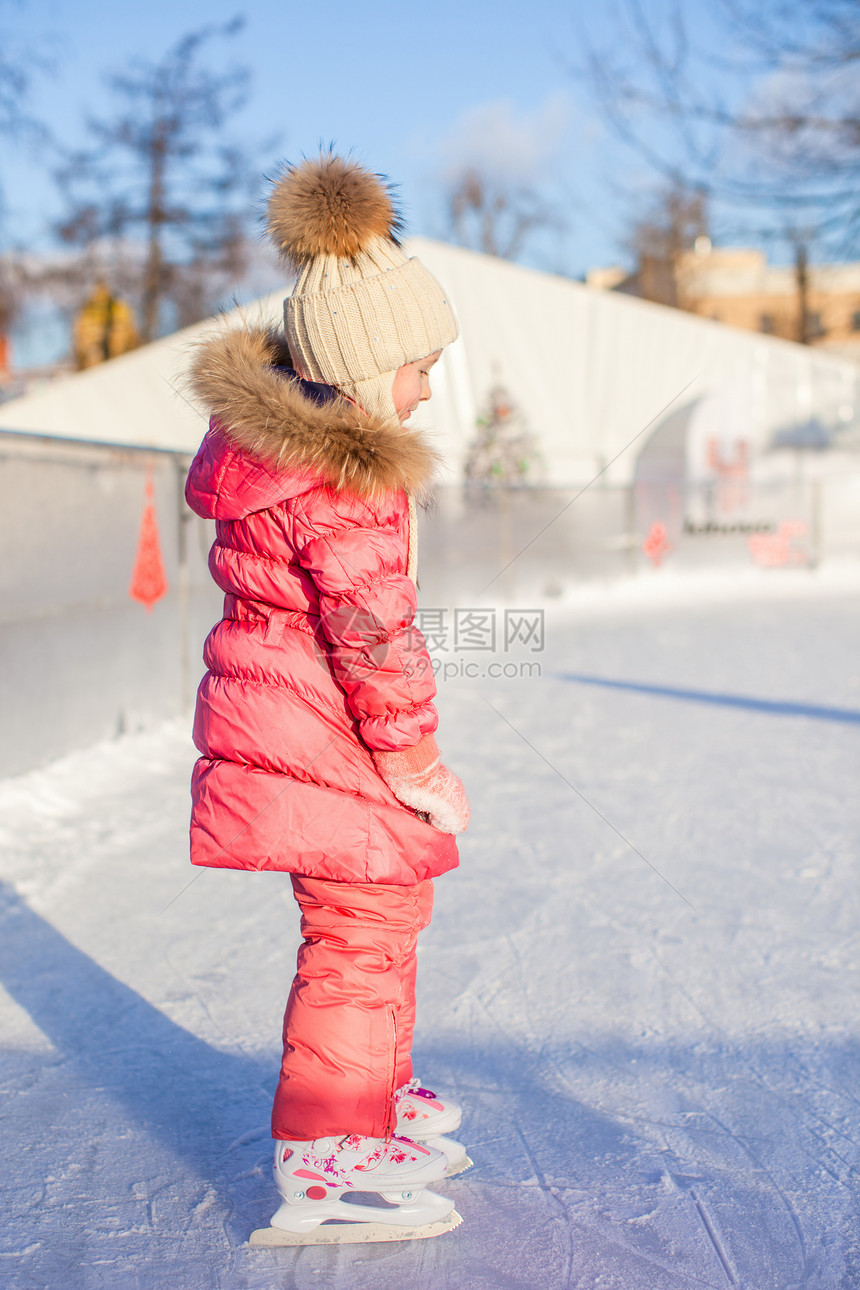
<point x="414" y="1086"/>
<point x="415" y="1089"/>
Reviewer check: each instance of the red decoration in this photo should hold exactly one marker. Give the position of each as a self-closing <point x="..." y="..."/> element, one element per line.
<point x="149" y="579"/>
<point x="657" y="544"/>
<point x="775" y="549"/>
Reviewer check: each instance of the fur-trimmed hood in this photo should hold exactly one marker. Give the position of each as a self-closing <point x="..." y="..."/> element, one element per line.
<point x="299" y="433"/>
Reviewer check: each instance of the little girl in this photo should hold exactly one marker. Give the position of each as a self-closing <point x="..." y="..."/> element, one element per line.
<point x="315" y="719"/>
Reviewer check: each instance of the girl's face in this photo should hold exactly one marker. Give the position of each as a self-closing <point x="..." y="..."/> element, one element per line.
<point x="412" y="385"/>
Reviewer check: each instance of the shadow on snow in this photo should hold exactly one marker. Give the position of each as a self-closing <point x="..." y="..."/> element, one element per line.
<point x="772" y="707"/>
<point x="193" y="1099"/>
<point x="657" y="1163"/>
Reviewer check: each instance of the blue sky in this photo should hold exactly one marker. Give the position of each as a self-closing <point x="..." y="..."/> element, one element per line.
<point x="412" y="90"/>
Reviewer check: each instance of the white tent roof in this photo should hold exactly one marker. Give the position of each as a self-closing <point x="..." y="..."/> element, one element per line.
<point x="592" y="371"/>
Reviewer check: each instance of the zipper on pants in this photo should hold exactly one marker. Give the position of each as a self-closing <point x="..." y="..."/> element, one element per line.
<point x="390" y="1117"/>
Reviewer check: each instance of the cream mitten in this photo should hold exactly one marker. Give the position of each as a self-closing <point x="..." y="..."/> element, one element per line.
<point x="418" y="779"/>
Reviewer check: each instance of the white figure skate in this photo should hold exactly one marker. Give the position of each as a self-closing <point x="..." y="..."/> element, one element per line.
<point x="424" y="1117"/>
<point x="315" y="1177"/>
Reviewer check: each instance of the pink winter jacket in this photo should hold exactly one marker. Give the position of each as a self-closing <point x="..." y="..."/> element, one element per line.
<point x="316" y="660"/>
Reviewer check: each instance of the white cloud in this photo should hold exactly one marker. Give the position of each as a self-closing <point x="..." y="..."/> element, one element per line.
<point x="507" y="142"/>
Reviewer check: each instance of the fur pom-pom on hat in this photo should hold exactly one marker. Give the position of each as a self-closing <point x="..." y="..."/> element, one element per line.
<point x="330" y="206"/>
<point x="360" y="309"/>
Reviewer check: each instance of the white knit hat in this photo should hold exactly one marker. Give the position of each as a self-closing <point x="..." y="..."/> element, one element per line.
<point x="360" y="308"/>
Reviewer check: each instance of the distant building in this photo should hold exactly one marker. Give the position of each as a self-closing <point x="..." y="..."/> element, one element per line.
<point x="736" y="285"/>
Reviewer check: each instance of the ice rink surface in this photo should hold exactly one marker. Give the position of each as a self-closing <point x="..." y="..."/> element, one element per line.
<point x="642" y="982"/>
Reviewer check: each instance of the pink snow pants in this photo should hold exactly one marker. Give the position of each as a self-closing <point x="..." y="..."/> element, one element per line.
<point x="351" y="1011"/>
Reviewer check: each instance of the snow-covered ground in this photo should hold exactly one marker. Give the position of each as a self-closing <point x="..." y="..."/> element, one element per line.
<point x="642" y="981"/>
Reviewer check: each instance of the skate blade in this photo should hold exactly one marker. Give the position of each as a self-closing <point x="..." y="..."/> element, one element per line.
<point x="353" y="1233"/>
<point x="458" y="1159"/>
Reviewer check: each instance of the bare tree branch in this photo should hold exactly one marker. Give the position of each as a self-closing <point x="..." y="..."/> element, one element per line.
<point x="159" y="195"/>
<point x="495" y="216"/>
<point x="17" y="125"/>
<point x="783" y="137"/>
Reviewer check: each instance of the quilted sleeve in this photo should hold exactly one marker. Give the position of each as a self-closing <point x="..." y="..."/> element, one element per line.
<point x="367" y="611"/>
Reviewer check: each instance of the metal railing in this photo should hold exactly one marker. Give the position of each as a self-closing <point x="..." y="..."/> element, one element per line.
<point x="82" y="660"/>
